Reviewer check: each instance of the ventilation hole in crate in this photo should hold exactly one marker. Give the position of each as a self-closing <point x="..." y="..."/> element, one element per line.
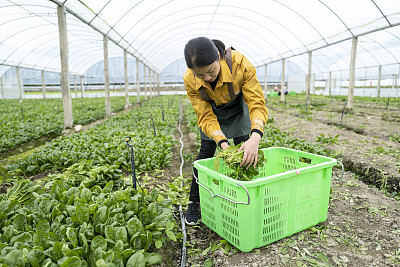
<point x="208" y="206"/>
<point x="230" y="228"/>
<point x="229" y="220"/>
<point x="231" y="238"/>
<point x="305" y="219"/>
<point x="229" y="209"/>
<point x="308" y="192"/>
<point x="289" y="163"/>
<point x="305" y="160"/>
<point x="276" y="202"/>
<point x="282" y="216"/>
<point x="273" y="236"/>
<point x="229" y="192"/>
<point x="207" y="220"/>
<point x="267" y="191"/>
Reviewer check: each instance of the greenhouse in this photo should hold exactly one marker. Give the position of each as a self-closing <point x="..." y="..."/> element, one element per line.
<point x="199" y="133"/>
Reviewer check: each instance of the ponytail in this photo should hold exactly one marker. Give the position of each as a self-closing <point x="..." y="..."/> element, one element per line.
<point x="220" y="46"/>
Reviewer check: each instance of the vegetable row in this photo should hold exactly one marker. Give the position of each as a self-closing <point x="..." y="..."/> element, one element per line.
<point x="105" y="144"/>
<point x="34" y="118"/>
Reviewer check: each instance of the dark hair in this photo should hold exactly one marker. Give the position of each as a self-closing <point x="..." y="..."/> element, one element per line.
<point x="201" y="51"/>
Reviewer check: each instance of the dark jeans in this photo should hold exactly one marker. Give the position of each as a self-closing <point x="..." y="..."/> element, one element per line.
<point x="207" y="150"/>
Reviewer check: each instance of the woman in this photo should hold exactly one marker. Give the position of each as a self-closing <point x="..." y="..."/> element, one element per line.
<point x="229" y="103"/>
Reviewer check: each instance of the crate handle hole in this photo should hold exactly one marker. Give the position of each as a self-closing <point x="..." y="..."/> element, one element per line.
<point x="215" y="181"/>
<point x="305" y="160"/>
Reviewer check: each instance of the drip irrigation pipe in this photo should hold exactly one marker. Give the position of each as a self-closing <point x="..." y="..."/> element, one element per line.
<point x="183" y="259"/>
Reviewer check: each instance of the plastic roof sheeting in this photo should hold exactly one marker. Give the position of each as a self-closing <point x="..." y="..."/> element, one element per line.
<point x="156" y="31"/>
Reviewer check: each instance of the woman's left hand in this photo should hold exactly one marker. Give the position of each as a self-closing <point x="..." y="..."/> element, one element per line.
<point x="250" y="148"/>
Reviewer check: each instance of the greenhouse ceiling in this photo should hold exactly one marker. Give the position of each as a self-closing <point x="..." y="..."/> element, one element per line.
<point x="156" y="31"/>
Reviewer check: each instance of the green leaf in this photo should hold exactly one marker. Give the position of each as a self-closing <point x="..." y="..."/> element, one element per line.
<point x="158" y="243"/>
<point x="136" y="260"/>
<point x="36" y="257"/>
<point x="57" y="250"/>
<point x="25" y="237"/>
<point x="97" y="254"/>
<point x="72" y="236"/>
<point x="99" y="241"/>
<point x="152" y="258"/>
<point x="101" y="216"/>
<point x="41" y="239"/>
<point x="208" y="262"/>
<point x="134" y="226"/>
<point x="84" y="243"/>
<point x="171" y="235"/>
<point x="101" y="263"/>
<point x="121" y="234"/>
<point x="43" y="225"/>
<point x="169" y="226"/>
<point x="110" y="232"/>
<point x="73" y="261"/>
<point x="19" y="222"/>
<point x="45" y="206"/>
<point x="82" y="213"/>
<point x="108" y="187"/>
<point x="119" y="246"/>
<point x="8" y="232"/>
<point x="15" y="258"/>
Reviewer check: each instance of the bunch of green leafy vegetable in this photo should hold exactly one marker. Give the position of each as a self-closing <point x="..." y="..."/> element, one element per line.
<point x="22" y="191"/>
<point x="86" y="173"/>
<point x="233" y="157"/>
<point x="78" y="226"/>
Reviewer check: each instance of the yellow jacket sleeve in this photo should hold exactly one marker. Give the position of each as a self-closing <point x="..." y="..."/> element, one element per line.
<point x="253" y="96"/>
<point x="206" y="118"/>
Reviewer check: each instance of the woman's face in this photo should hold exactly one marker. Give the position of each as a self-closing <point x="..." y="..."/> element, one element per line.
<point x="208" y="73"/>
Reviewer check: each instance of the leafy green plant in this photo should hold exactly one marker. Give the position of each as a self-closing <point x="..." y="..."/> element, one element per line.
<point x="327" y="139"/>
<point x="34" y="118"/>
<point x="233" y="158"/>
<point x="105" y="143"/>
<point x="78" y="226"/>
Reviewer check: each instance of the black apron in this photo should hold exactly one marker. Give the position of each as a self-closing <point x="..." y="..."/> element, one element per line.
<point x="233" y="117"/>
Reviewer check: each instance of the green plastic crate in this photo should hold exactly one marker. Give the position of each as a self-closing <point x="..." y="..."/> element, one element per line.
<point x="290" y="194"/>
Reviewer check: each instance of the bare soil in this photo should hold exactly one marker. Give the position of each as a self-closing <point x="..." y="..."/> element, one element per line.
<point x="363" y="223"/>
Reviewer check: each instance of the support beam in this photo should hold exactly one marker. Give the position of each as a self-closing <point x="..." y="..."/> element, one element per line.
<point x="352" y="73"/>
<point x="265" y="81"/>
<point x="126" y="79"/>
<point x="2" y="88"/>
<point x="66" y="94"/>
<point x="378" y="87"/>
<point x="283" y="81"/>
<point x="137" y="81"/>
<point x="43" y="86"/>
<point x="313" y="83"/>
<point x="394" y="85"/>
<point x="144" y="82"/>
<point x="19" y="85"/>
<point x="82" y="86"/>
<point x="75" y="87"/>
<point x="330" y="83"/>
<point x="155" y="83"/>
<point x="158" y="83"/>
<point x="106" y="77"/>
<point x="308" y="79"/>
<point x="150" y="84"/>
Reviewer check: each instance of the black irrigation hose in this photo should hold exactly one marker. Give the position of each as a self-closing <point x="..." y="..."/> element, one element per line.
<point x="183" y="259"/>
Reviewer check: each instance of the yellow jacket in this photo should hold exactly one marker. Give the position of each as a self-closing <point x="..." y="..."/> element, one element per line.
<point x="244" y="79"/>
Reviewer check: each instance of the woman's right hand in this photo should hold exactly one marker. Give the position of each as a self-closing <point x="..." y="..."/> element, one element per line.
<point x="224" y="146"/>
